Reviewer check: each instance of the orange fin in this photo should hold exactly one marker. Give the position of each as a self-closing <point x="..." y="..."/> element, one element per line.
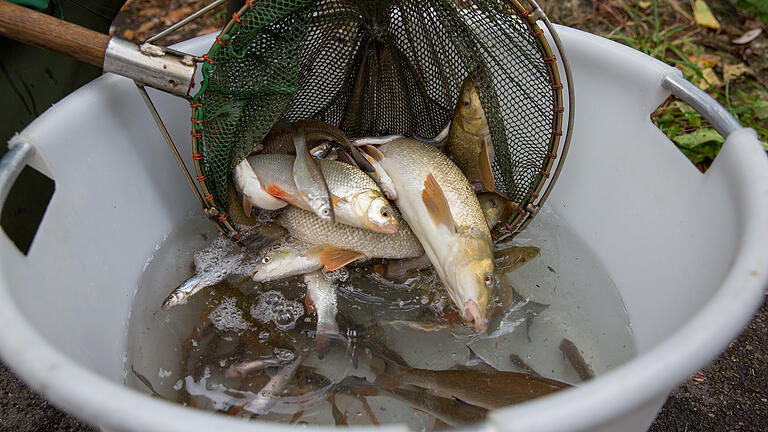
<point x="374" y="153"/>
<point x="276" y="191"/>
<point x="334" y="258"/>
<point x="486" y="173"/>
<point x="437" y="204"/>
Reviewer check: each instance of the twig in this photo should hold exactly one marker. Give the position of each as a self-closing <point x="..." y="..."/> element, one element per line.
<point x="676" y="6"/>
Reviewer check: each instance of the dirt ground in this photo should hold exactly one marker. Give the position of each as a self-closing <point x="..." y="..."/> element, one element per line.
<point x="731" y="394"/>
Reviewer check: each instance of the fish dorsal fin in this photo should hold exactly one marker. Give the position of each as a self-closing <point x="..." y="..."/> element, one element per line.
<point x="373" y="152"/>
<point x="436" y="203"/>
<point x="486" y="159"/>
<point x="334" y="258"/>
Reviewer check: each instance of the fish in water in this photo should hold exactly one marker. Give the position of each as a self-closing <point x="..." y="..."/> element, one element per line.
<point x="441" y="208"/>
<point x="321" y="298"/>
<point x="512" y="258"/>
<point x="343" y="243"/>
<point x="357" y="199"/>
<point x="572" y="353"/>
<point x="268" y="396"/>
<point x="309" y="180"/>
<point x="489" y="389"/>
<point x="469" y="139"/>
<point x="240" y="369"/>
<point x="452" y="411"/>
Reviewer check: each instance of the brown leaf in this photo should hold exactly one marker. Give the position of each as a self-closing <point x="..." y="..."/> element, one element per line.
<point x="177" y="14"/>
<point x="705" y="60"/>
<point x="747" y="37"/>
<point x="206" y="30"/>
<point x="735" y="70"/>
<point x="129" y="34"/>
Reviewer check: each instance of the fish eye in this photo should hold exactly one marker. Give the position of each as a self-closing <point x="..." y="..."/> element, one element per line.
<point x="488" y="279"/>
<point x="385" y="212"/>
<point x="493" y="203"/>
<point x="467" y="102"/>
<point x="266" y="260"/>
<point x="325" y="212"/>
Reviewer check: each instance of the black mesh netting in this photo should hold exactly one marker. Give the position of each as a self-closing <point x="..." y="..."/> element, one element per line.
<point x="376" y="68"/>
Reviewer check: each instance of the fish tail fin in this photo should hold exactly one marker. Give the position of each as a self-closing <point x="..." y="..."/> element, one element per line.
<point x="327" y="335"/>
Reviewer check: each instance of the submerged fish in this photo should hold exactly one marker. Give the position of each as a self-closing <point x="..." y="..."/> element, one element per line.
<point x="452" y="411"/>
<point x="512" y="258"/>
<point x="572" y="353"/>
<point x="469" y="140"/>
<point x="241" y="369"/>
<point x="344" y="244"/>
<point x="441" y="207"/>
<point x="268" y="396"/>
<point x="357" y="200"/>
<point x="321" y="297"/>
<point x="190" y="287"/>
<point x="309" y="180"/>
<point x="487" y="389"/>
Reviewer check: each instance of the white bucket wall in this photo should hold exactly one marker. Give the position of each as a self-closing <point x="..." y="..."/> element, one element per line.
<point x="685" y="249"/>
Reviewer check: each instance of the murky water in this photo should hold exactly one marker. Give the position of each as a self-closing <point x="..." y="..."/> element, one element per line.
<point x="198" y="354"/>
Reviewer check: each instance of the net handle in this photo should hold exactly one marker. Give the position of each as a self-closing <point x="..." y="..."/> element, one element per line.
<point x="52" y="34"/>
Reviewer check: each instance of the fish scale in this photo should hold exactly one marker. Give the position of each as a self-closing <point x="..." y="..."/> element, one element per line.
<point x="307" y="227"/>
<point x="409" y="156"/>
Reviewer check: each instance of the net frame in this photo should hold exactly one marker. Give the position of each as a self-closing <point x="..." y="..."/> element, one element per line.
<point x="530" y="13"/>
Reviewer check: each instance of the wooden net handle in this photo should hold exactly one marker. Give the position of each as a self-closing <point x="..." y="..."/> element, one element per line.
<point x="53" y="34"/>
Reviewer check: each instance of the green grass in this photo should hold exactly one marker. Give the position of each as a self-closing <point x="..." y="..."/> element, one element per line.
<point x="743" y="98"/>
<point x="757" y="8"/>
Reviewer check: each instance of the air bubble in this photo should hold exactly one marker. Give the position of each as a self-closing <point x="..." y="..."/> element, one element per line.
<point x="284" y="354"/>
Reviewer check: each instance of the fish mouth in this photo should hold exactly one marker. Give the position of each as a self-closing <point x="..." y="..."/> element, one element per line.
<point x="388" y="228"/>
<point x="473" y="316"/>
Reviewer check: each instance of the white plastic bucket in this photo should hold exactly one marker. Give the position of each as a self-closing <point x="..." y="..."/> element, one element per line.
<point x="687" y="251"/>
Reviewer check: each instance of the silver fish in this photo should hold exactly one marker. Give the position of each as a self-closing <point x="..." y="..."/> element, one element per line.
<point x="321" y="297"/>
<point x="344" y="243"/>
<point x="440" y="206"/>
<point x="240" y="369"/>
<point x="309" y="179"/>
<point x="287" y="259"/>
<point x="268" y="396"/>
<point x="357" y="200"/>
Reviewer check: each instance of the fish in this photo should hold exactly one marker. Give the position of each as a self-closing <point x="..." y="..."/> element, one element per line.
<point x="519" y="363"/>
<point x="572" y="353"/>
<point x="284" y="260"/>
<point x="487" y="389"/>
<point x="317" y="132"/>
<point x="428" y="327"/>
<point x="339" y="419"/>
<point x="190" y="287"/>
<point x="357" y="199"/>
<point x="240" y="369"/>
<point x="452" y="411"/>
<point x="268" y="396"/>
<point x="512" y="258"/>
<point x="343" y="243"/>
<point x="440" y="206"/>
<point x="249" y="186"/>
<point x="309" y="180"/>
<point x="144" y="380"/>
<point x="469" y="139"/>
<point x="321" y="298"/>
<point x="495" y="208"/>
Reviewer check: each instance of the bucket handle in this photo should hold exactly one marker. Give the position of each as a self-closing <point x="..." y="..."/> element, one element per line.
<point x="11" y="165"/>
<point x="703" y="103"/>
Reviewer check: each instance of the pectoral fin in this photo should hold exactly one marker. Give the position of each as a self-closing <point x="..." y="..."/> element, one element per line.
<point x="436" y="203"/>
<point x="486" y="159"/>
<point x="335" y="258"/>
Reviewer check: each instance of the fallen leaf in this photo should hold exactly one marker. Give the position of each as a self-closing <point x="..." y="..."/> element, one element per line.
<point x="209" y="29"/>
<point x="699" y="137"/>
<point x="129" y="34"/>
<point x="705" y="60"/>
<point x="747" y="37"/>
<point x="151" y="12"/>
<point x="710" y="79"/>
<point x="703" y="15"/>
<point x="735" y="70"/>
<point x="147" y="26"/>
<point x="644" y="4"/>
<point x="177" y="14"/>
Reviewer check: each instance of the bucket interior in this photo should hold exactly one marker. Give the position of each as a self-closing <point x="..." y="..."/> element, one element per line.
<point x="625" y="191"/>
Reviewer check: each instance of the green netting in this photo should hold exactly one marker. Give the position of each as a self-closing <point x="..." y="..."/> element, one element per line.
<point x="377" y="68"/>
